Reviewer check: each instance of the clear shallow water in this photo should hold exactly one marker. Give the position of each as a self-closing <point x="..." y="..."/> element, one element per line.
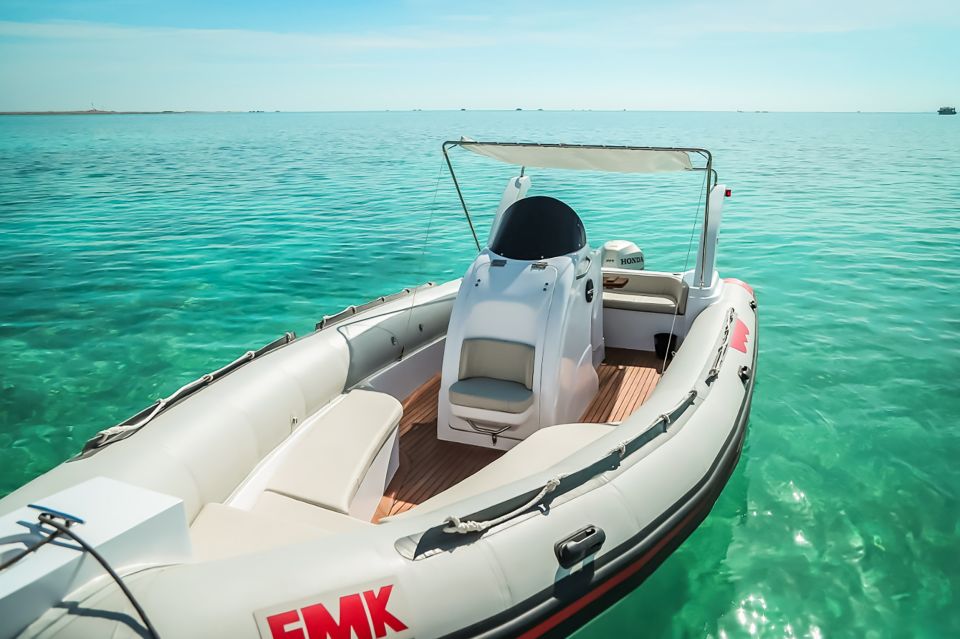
<point x="141" y="251"/>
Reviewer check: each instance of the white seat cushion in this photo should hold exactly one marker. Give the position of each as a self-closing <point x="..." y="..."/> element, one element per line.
<point x="329" y="462"/>
<point x="221" y="531"/>
<point x="281" y="508"/>
<point x="639" y="302"/>
<point x="644" y="291"/>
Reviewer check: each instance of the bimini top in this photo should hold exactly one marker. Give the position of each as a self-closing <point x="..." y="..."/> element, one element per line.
<point x="586" y="157"/>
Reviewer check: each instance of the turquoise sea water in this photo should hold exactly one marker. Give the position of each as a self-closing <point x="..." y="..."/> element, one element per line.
<point x="139" y="252"/>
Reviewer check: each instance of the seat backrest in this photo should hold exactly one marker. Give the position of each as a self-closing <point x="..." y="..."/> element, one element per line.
<point x="497" y="359"/>
<point x="647" y="283"/>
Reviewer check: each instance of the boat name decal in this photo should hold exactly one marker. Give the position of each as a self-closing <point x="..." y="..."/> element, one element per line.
<point x="363" y="615"/>
<point x="739" y="339"/>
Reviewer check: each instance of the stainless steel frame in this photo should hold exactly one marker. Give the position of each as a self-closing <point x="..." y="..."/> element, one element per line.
<point x="704" y="153"/>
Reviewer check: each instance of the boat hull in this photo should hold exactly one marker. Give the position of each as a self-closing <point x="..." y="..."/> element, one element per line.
<point x="648" y="483"/>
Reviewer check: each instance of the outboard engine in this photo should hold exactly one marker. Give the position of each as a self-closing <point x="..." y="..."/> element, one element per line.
<point x="622" y="254"/>
<point x="525" y="331"/>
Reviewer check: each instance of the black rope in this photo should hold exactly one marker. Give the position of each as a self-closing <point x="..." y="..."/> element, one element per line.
<point x="46" y="540"/>
<point x="686" y="263"/>
<point x="63" y="530"/>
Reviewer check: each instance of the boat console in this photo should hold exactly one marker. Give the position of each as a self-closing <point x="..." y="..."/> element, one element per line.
<point x="526" y="331"/>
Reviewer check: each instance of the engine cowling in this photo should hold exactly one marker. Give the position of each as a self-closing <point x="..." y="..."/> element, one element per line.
<point x="623" y="254"/>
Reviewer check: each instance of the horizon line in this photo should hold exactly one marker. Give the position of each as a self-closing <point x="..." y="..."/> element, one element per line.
<point x="431" y="110"/>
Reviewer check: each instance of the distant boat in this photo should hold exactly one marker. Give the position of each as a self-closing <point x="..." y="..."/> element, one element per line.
<point x="947" y="111"/>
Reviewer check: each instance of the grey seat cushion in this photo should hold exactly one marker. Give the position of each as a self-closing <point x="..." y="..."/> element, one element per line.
<point x="497" y="359"/>
<point x="638" y="302"/>
<point x="491" y="394"/>
<point x="644" y="291"/>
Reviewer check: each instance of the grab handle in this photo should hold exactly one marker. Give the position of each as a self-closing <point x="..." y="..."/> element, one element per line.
<point x="579" y="545"/>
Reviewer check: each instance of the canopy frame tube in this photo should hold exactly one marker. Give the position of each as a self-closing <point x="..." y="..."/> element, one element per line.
<point x="463" y="203"/>
<point x="703" y="153"/>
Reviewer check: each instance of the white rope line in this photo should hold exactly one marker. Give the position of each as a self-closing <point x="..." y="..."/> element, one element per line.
<point x="177" y="394"/>
<point x="455" y="525"/>
<point x="686" y="263"/>
<point x="423" y="251"/>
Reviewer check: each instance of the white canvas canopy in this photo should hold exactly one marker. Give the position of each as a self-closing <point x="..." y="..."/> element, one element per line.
<point x="617" y="159"/>
<point x="585" y="157"/>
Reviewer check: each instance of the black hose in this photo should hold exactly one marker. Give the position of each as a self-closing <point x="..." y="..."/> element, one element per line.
<point x="65" y="530"/>
<point x="46" y="540"/>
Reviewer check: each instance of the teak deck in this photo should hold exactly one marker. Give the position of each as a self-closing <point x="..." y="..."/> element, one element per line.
<point x="429" y="466"/>
<point x="626" y="380"/>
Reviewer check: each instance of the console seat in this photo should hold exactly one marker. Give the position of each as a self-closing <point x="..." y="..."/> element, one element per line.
<point x="491" y="394"/>
<point x="495" y="375"/>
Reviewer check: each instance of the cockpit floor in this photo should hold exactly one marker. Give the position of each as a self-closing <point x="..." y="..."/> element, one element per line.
<point x="627" y="378"/>
<point x="429" y="466"/>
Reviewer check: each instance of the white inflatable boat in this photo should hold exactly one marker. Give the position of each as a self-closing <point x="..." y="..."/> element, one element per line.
<point x="502" y="455"/>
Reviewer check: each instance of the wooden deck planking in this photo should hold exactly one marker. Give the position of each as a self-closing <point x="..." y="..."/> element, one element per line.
<point x="429" y="466"/>
<point x="626" y="380"/>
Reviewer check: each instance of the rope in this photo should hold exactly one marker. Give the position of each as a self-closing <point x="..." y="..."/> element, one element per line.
<point x="37" y="546"/>
<point x="106" y="435"/>
<point x="63" y="530"/>
<point x="413" y="300"/>
<point x="423" y="250"/>
<point x="686" y="263"/>
<point x="464" y="527"/>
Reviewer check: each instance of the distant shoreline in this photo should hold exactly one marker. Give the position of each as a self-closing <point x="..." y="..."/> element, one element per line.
<point x="94" y="112"/>
<point x="200" y="112"/>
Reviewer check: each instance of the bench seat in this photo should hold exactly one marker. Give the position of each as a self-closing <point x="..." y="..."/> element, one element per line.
<point x="357" y="437"/>
<point x="644" y="291"/>
<point x="639" y="302"/>
<point x="221" y="531"/>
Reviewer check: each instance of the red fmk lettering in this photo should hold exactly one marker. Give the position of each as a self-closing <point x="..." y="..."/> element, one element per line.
<point x="377" y="606"/>
<point x="361" y="616"/>
<point x="739" y="338"/>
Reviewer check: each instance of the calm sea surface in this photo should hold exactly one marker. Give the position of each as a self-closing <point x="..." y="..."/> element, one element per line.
<point x="138" y="252"/>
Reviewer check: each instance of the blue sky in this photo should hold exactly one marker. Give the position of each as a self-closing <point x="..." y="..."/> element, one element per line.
<point x="819" y="55"/>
